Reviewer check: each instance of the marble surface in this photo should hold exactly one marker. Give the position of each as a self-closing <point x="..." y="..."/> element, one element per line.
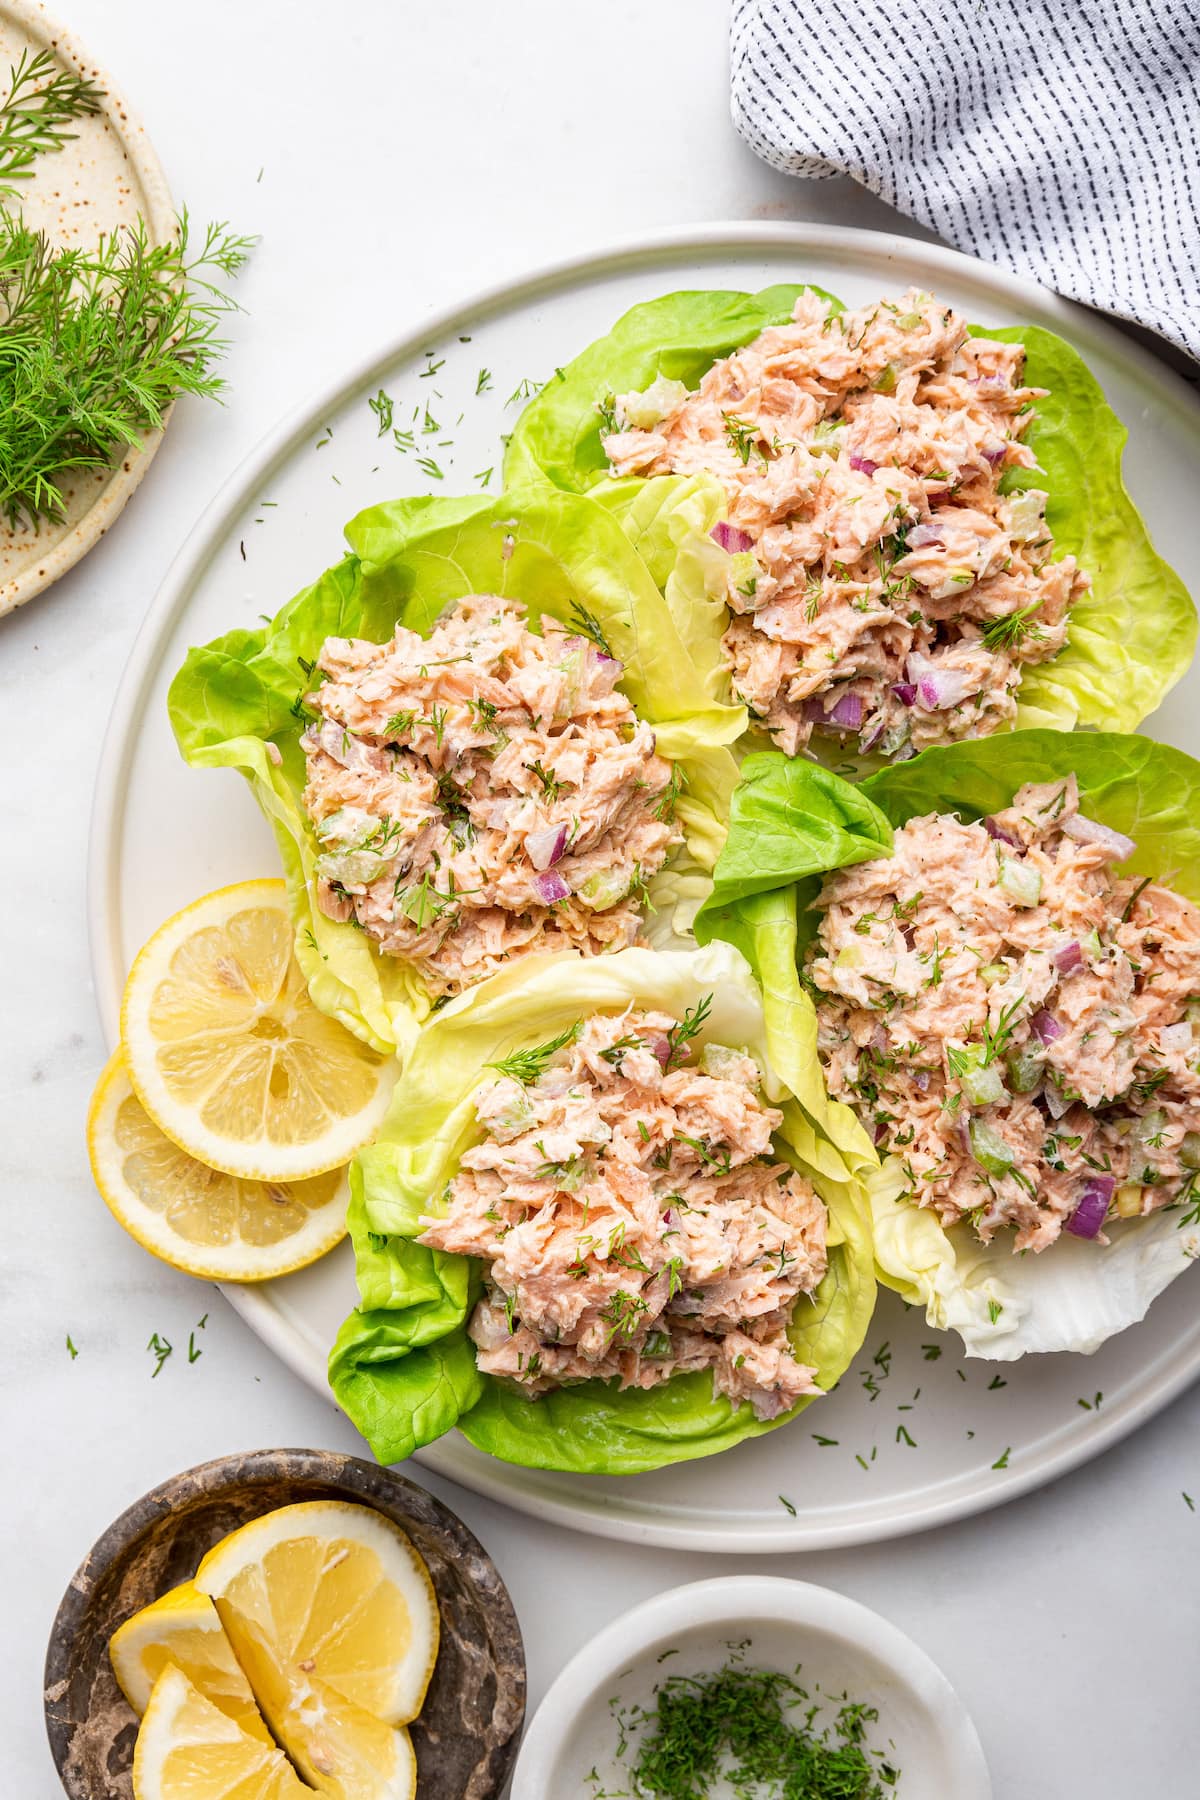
<point x="393" y="157"/>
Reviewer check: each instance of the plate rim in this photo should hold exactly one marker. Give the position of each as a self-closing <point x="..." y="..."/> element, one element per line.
<point x="491" y="1478"/>
<point x="125" y="123"/>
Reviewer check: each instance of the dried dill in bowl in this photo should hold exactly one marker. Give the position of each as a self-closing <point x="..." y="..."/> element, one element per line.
<point x="751" y="1734"/>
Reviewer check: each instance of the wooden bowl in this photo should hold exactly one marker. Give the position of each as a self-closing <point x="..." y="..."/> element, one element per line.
<point x="466" y="1737"/>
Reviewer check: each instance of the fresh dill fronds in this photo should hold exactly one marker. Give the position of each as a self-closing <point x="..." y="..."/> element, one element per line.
<point x="35" y="111"/>
<point x="428" y="467"/>
<point x="588" y="625"/>
<point x="743" y="437"/>
<point x="527" y="1066"/>
<point x="681" y="1034"/>
<point x="97" y="345"/>
<point x="160" y="1349"/>
<point x="1010" y="631"/>
<point x="483" y="381"/>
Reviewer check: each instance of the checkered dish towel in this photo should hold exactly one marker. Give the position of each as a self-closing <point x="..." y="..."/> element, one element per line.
<point x="1059" y="138"/>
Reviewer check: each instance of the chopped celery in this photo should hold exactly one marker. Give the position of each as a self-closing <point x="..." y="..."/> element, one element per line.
<point x="1025" y="1068"/>
<point x="645" y="410"/>
<point x="1022" y="884"/>
<point x="990" y="1150"/>
<point x="1189" y="1150"/>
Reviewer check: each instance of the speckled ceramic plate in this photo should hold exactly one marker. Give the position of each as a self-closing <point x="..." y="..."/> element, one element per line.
<point x="104" y="178"/>
<point x="915" y="1434"/>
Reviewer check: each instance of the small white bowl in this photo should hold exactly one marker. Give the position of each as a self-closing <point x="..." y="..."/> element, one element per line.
<point x="842" y="1647"/>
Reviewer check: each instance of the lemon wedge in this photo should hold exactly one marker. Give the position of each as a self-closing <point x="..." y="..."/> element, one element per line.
<point x="218" y="1226"/>
<point x="228" y="1054"/>
<point x="188" y="1749"/>
<point x="182" y="1629"/>
<point x="328" y="1594"/>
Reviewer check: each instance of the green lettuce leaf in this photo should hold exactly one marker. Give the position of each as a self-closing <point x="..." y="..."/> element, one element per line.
<point x="678" y="336"/>
<point x="238" y="702"/>
<point x="1131" y="637"/>
<point x="791" y="822"/>
<point x="399" y="1367"/>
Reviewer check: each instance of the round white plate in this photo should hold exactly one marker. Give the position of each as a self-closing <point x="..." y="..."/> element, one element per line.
<point x="103" y="179"/>
<point x="915" y="1435"/>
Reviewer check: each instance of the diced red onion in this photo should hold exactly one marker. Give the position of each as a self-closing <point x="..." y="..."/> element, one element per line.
<point x="921" y="1079"/>
<point x="845" y="715"/>
<point x="661" y="1047"/>
<point x="905" y="692"/>
<point x="869" y="743"/>
<point x="1090" y="831"/>
<point x="1068" y="958"/>
<point x="731" y="537"/>
<point x="937" y="687"/>
<point x="544" y="848"/>
<point x="1092" y="1209"/>
<point x="1045" y="1027"/>
<point x="666" y="1218"/>
<point x="848" y="712"/>
<point x="924" y="536"/>
<point x="551" y="888"/>
<point x="880" y="1133"/>
<point x="606" y="672"/>
<point x="879" y="1038"/>
<point x="1176" y="1037"/>
<point x="995" y="456"/>
<point x="863" y="464"/>
<point x="999" y="834"/>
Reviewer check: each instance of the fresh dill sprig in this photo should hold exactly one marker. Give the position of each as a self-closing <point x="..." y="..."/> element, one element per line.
<point x="681" y="1035"/>
<point x="588" y="625"/>
<point x="35" y="110"/>
<point x="527" y="1066"/>
<point x="97" y="345"/>
<point x="1010" y="631"/>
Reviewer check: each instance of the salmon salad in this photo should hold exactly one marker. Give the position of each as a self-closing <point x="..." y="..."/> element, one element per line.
<point x="1014" y="1020"/>
<point x="483" y="792"/>
<point x="633" y="1219"/>
<point x="886" y="590"/>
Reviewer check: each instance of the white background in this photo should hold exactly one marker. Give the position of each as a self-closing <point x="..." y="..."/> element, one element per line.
<point x="394" y="157"/>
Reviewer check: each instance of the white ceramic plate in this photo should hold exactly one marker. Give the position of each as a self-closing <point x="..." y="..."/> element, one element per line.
<point x="164" y="834"/>
<point x="104" y="178"/>
<point x="831" y="1646"/>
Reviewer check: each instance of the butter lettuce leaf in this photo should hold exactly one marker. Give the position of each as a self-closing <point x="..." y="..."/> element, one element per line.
<point x="792" y="822"/>
<point x="239" y="702"/>
<point x="1131" y="638"/>
<point x="399" y="1367"/>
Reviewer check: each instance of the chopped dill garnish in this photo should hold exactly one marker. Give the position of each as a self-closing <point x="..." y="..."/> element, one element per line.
<point x="383" y="406"/>
<point x="528" y="1065"/>
<point x="160" y="1349"/>
<point x="483" y="381"/>
<point x="742" y="437"/>
<point x="753" y="1732"/>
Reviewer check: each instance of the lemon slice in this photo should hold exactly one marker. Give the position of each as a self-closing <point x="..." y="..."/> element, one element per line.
<point x="228" y="1054"/>
<point x="327" y="1596"/>
<point x="188" y="1749"/>
<point x="182" y="1629"/>
<point x="340" y="1750"/>
<point x="202" y="1221"/>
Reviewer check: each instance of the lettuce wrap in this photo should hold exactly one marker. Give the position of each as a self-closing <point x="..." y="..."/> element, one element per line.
<point x="403" y="1367"/>
<point x="793" y="821"/>
<point x="238" y="702"/>
<point x="1131" y="637"/>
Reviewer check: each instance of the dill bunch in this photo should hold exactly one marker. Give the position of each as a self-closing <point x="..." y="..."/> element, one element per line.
<point x="95" y="346"/>
<point x="35" y="111"/>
